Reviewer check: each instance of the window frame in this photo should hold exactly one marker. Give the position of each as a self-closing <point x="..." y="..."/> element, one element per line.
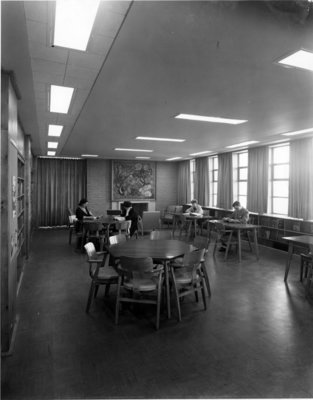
<point x="237" y="168"/>
<point x="213" y="167"/>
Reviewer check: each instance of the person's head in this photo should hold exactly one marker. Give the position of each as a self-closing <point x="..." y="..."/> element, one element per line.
<point x="236" y="205"/>
<point x="194" y="202"/>
<point x="83" y="202"/>
<point x="127" y="204"/>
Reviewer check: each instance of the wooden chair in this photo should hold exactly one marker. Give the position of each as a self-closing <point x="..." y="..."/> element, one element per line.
<point x="309" y="266"/>
<point x="124" y="227"/>
<point x="224" y="235"/>
<point x="138" y="280"/>
<point x="188" y="278"/>
<point x="161" y="235"/>
<point x="99" y="271"/>
<point x="120" y="238"/>
<point x="93" y="231"/>
<point x="183" y="224"/>
<point x="305" y="263"/>
<point x="200" y="243"/>
<point x="71" y="227"/>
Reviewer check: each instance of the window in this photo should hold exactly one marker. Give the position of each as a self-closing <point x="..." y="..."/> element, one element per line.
<point x="213" y="180"/>
<point x="240" y="177"/>
<point x="278" y="179"/>
<point x="192" y="178"/>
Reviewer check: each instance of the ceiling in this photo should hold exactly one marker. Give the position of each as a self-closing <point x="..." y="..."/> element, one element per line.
<point x="149" y="61"/>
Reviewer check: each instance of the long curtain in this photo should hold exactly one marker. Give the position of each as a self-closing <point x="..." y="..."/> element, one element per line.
<point x="60" y="184"/>
<point x="258" y="179"/>
<point x="301" y="179"/>
<point x="183" y="182"/>
<point x="225" y="180"/>
<point x="202" y="180"/>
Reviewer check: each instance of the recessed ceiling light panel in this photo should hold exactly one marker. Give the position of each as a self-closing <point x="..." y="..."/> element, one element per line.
<point x="141" y="150"/>
<point x="200" y="153"/>
<point x="173" y="158"/>
<point x="300" y="59"/>
<point x="73" y="23"/>
<point x="159" y="139"/>
<point x="217" y="120"/>
<point x="242" y="144"/>
<point x="55" y="130"/>
<point x="60" y="98"/>
<point x="53" y="145"/>
<point x="90" y="155"/>
<point x="298" y="132"/>
<point x="50" y="153"/>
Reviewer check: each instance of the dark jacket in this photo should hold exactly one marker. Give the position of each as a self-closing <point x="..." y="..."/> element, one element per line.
<point x="133" y="216"/>
<point x="80" y="214"/>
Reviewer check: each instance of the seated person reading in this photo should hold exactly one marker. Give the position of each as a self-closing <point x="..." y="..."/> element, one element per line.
<point x="81" y="212"/>
<point x="239" y="216"/>
<point x="195" y="208"/>
<point x="130" y="215"/>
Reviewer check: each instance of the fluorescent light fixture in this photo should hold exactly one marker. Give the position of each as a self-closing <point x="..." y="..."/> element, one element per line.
<point x="173" y="158"/>
<point x="300" y="59"/>
<point x="211" y="119"/>
<point x="160" y="139"/>
<point x="143" y="158"/>
<point x="60" y="98"/>
<point x="143" y="150"/>
<point x="89" y="155"/>
<point x="50" y="153"/>
<point x="53" y="145"/>
<point x="242" y="144"/>
<point x="201" y="152"/>
<point x="73" y="23"/>
<point x="298" y="132"/>
<point x="55" y="130"/>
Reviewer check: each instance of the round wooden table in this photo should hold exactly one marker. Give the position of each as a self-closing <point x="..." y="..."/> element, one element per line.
<point x="165" y="250"/>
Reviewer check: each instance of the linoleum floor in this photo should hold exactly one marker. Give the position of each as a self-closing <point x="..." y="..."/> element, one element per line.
<point x="253" y="341"/>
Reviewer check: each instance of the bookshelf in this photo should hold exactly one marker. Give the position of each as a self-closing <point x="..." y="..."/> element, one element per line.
<point x="272" y="228"/>
<point x="20" y="211"/>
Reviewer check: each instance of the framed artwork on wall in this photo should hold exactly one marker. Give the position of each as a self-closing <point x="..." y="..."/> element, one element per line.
<point x="133" y="180"/>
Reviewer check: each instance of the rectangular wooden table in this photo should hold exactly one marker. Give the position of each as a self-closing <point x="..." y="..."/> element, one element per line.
<point x="192" y="219"/>
<point x="237" y="227"/>
<point x="300" y="240"/>
<point x="165" y="250"/>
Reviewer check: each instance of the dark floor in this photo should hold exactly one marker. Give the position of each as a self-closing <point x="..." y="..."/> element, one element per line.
<point x="254" y="340"/>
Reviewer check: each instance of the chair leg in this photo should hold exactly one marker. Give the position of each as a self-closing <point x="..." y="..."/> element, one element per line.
<point x="215" y="245"/>
<point x="196" y="295"/>
<point x="96" y="290"/>
<point x="117" y="306"/>
<point x="206" y="278"/>
<point x="158" y="306"/>
<point x="301" y="269"/>
<point x="70" y="235"/>
<point x="176" y="295"/>
<point x="90" y="296"/>
<point x="308" y="283"/>
<point x="107" y="289"/>
<point x="203" y="293"/>
<point x="249" y="240"/>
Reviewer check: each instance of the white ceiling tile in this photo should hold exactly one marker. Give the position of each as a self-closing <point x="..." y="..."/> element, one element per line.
<point x="39" y="65"/>
<point x="107" y="24"/>
<point x="36" y="10"/>
<point x="37" y="32"/>
<point x="78" y="83"/>
<point x="77" y="72"/>
<point x="118" y="7"/>
<point x="99" y="44"/>
<point x="44" y="52"/>
<point x="48" y="78"/>
<point x="85" y="60"/>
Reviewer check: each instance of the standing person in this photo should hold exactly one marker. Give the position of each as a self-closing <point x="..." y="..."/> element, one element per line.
<point x="81" y="212"/>
<point x="195" y="208"/>
<point x="130" y="215"/>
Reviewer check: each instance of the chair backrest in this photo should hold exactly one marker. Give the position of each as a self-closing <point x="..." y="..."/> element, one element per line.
<point x="151" y="220"/>
<point x="194" y="258"/>
<point x="123" y="226"/>
<point x="117" y="239"/>
<point x="90" y="250"/>
<point x="138" y="268"/>
<point x="201" y="242"/>
<point x="161" y="235"/>
<point x="72" y="219"/>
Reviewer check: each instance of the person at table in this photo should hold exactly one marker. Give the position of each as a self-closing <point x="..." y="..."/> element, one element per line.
<point x="81" y="212"/>
<point x="130" y="215"/>
<point x="240" y="214"/>
<point x="195" y="208"/>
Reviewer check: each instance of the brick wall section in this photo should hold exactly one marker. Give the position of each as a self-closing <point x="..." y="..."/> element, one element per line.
<point x="166" y="184"/>
<point x="99" y="185"/>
